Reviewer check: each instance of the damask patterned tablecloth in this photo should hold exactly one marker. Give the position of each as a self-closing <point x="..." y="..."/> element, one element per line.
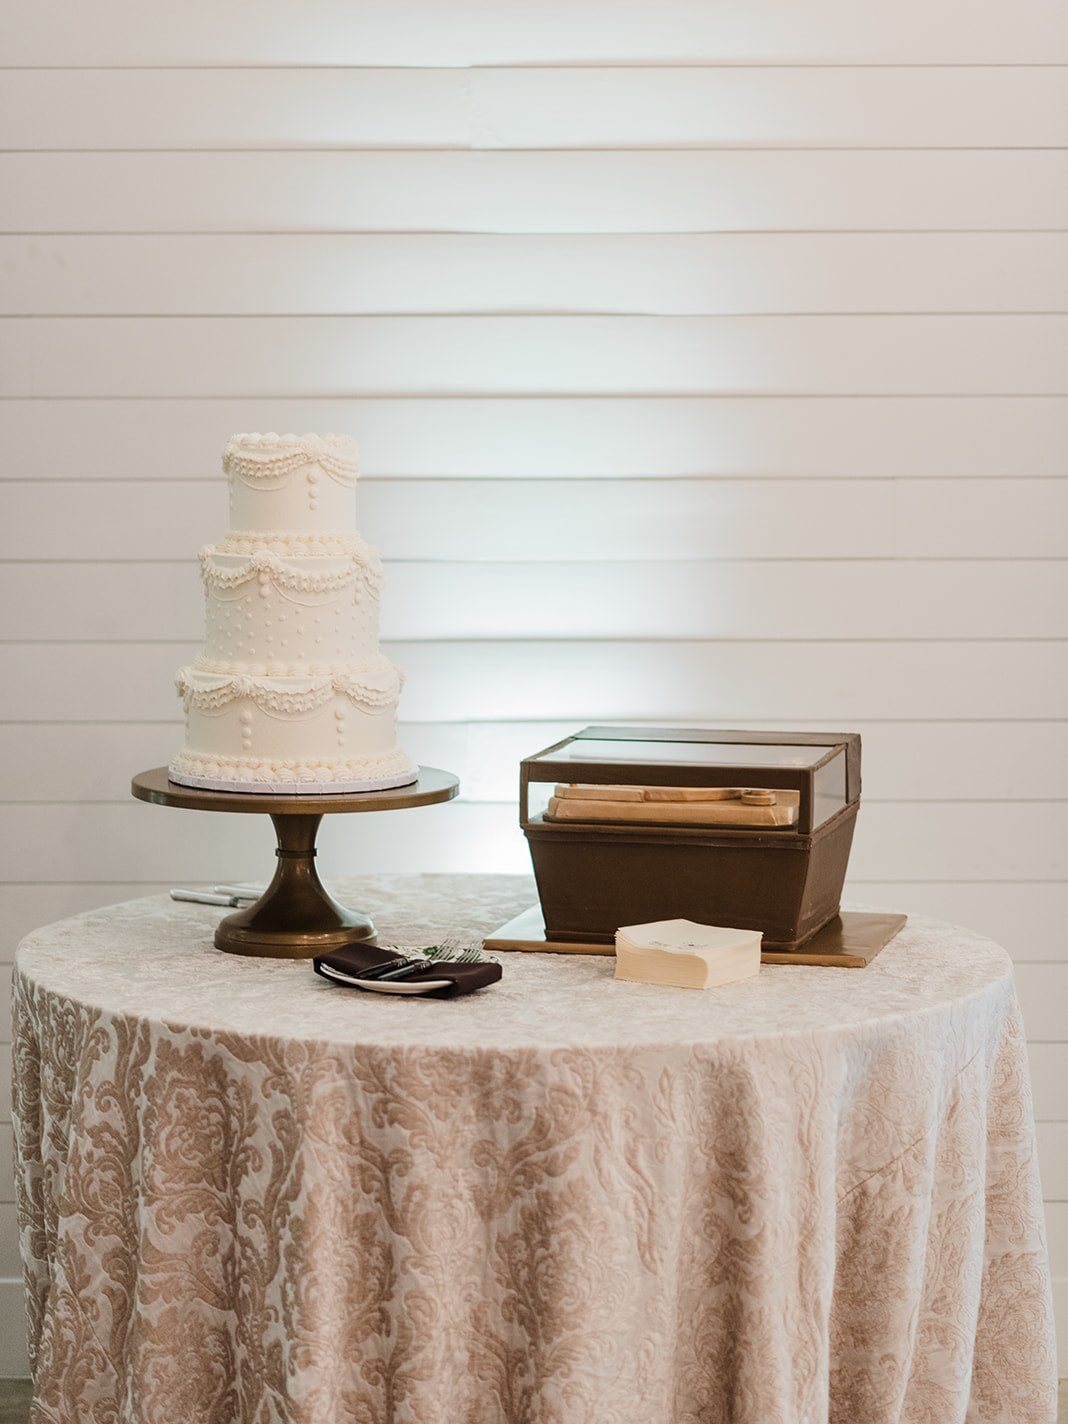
<point x="248" y="1197"/>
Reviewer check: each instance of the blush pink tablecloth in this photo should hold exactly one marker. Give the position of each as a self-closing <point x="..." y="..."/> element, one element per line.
<point x="246" y="1196"/>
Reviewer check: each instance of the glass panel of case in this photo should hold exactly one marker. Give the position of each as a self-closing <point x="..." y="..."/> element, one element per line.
<point x="565" y="795"/>
<point x="687" y="753"/>
<point x="829" y="790"/>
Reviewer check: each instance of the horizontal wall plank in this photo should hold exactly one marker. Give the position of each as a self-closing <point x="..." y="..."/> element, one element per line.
<point x="674" y="274"/>
<point x="599" y="191"/>
<point x="1057" y="1232"/>
<point x="1027" y="919"/>
<point x="1049" y="1073"/>
<point x="422" y="32"/>
<point x="876" y="599"/>
<point x="694" y="683"/>
<point x="661" y="106"/>
<point x="115" y="841"/>
<point x="14" y="1363"/>
<point x="7" y="1146"/>
<point x="953" y="841"/>
<point x="411" y="355"/>
<point x="240" y="108"/>
<point x="30" y="905"/>
<point x="1043" y="991"/>
<point x="94" y="761"/>
<point x="782" y="436"/>
<point x="1053" y="1160"/>
<point x="10" y="1261"/>
<point x="846" y="599"/>
<point x="641" y="520"/>
<point x="967" y="761"/>
<point x="676" y="107"/>
<point x="112" y="841"/>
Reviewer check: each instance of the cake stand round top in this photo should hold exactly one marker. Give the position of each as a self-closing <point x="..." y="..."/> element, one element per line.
<point x="430" y="786"/>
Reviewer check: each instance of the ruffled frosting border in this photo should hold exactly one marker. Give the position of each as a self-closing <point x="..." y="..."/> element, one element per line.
<point x="294" y="543"/>
<point x="372" y="686"/>
<point x="360" y="564"/>
<point x="268" y="461"/>
<point x="395" y="763"/>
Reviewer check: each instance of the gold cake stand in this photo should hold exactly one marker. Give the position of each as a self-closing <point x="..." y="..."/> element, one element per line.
<point x="295" y="917"/>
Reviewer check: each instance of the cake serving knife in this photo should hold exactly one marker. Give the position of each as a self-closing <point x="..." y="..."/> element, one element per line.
<point x="242" y="892"/>
<point x="208" y="897"/>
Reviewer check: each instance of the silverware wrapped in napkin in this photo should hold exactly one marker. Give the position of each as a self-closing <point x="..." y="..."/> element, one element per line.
<point x="442" y="971"/>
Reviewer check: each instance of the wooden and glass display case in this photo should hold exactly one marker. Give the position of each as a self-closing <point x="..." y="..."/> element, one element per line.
<point x="628" y="825"/>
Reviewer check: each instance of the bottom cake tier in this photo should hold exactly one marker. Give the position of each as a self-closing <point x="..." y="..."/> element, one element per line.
<point x="326" y="733"/>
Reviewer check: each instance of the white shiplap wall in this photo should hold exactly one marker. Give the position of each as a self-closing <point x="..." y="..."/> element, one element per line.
<point x="709" y="362"/>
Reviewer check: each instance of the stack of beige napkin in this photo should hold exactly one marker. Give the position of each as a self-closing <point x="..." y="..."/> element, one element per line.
<point x="675" y="805"/>
<point x="686" y="955"/>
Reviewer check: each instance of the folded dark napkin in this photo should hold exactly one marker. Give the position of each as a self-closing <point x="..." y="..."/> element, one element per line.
<point x="356" y="959"/>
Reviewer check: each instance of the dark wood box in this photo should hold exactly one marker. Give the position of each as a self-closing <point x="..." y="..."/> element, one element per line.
<point x="785" y="881"/>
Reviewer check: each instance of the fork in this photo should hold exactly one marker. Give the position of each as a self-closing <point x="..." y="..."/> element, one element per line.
<point x="471" y="955"/>
<point x="451" y="949"/>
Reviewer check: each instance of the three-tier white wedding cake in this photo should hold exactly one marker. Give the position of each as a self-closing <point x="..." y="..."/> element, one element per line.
<point x="290" y="692"/>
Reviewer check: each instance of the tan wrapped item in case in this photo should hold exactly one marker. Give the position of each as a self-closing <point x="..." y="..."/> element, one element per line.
<point x="674" y="805"/>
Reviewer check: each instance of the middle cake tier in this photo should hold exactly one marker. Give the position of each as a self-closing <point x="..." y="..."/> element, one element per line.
<point x="288" y="605"/>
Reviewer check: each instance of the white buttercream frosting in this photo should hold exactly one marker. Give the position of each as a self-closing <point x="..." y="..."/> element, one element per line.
<point x="375" y="686"/>
<point x="271" y="458"/>
<point x="292" y="484"/>
<point x="290" y="680"/>
<point x="326" y="573"/>
<point x="246" y="773"/>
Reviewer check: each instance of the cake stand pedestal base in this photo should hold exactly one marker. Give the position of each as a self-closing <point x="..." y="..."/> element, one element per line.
<point x="296" y="917"/>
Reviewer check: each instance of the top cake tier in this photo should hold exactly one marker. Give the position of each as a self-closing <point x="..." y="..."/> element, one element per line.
<point x="292" y="483"/>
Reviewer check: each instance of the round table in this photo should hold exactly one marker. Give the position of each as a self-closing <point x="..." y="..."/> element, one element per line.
<point x="249" y="1196"/>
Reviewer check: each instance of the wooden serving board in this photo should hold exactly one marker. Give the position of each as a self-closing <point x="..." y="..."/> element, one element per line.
<point x="850" y="941"/>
